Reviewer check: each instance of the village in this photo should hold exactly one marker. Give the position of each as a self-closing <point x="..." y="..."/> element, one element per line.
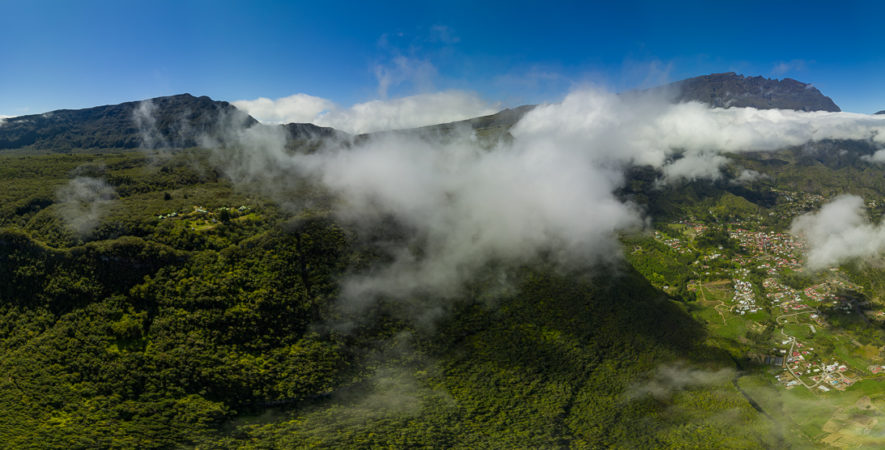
<point x="202" y="211"/>
<point x="803" y="349"/>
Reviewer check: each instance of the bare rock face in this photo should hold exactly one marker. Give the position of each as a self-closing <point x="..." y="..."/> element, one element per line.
<point x="724" y="90"/>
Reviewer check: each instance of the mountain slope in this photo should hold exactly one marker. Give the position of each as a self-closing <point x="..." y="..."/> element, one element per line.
<point x="216" y="325"/>
<point x="721" y="90"/>
<point x="181" y="121"/>
<point x="558" y="365"/>
<point x="725" y="90"/>
<point x="177" y="121"/>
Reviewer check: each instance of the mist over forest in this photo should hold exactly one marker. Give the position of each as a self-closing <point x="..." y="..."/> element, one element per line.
<point x="441" y="225"/>
<point x="550" y="275"/>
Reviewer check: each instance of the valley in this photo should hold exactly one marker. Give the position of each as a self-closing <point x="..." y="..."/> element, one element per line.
<point x="805" y="337"/>
<point x="284" y="295"/>
<point x="442" y="225"/>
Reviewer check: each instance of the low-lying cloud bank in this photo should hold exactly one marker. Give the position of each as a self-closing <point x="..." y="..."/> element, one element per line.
<point x="376" y="115"/>
<point x="839" y="232"/>
<point x="298" y="108"/>
<point x="877" y="157"/>
<point x="83" y="202"/>
<point x="686" y="140"/>
<point x="672" y="378"/>
<point x="549" y="191"/>
<point x="467" y="207"/>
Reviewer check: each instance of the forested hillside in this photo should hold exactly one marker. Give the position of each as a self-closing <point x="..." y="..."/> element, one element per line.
<point x="273" y="290"/>
<point x="197" y="314"/>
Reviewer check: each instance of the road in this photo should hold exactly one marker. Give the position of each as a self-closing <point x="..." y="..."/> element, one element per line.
<point x="793" y="345"/>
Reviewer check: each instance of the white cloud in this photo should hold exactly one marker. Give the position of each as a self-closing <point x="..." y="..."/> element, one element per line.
<point x="83" y="202"/>
<point x="408" y="112"/>
<point x="298" y="108"/>
<point x="839" y="232"/>
<point x="376" y="115"/>
<point x="146" y="122"/>
<point x="671" y="378"/>
<point x="550" y="191"/>
<point x="696" y="127"/>
<point x="694" y="166"/>
<point x="468" y="206"/>
<point x="878" y="157"/>
<point x="644" y="130"/>
<point x="749" y="176"/>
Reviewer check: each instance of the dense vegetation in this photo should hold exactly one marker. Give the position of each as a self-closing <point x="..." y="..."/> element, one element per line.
<point x="193" y="313"/>
<point x="218" y="328"/>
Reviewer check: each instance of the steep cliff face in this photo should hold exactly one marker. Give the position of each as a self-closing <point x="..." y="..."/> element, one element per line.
<point x="724" y="90"/>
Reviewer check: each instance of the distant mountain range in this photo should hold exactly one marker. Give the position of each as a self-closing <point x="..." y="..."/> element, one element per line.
<point x="180" y="121"/>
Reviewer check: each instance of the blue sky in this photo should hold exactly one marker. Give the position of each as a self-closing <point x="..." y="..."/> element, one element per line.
<point x="75" y="54"/>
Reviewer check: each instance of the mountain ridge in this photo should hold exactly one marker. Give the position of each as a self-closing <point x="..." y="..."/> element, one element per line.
<point x="176" y="120"/>
<point x="183" y="120"/>
<point x="732" y="90"/>
<point x="708" y="89"/>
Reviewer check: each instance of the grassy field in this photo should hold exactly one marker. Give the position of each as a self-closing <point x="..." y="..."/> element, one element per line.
<point x="835" y="418"/>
